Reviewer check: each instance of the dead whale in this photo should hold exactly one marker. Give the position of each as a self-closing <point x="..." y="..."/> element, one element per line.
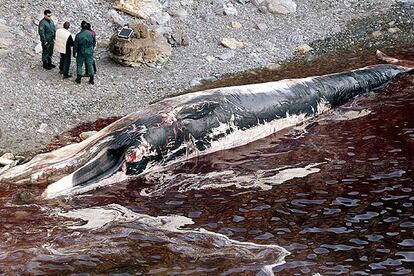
<point x="186" y="126"/>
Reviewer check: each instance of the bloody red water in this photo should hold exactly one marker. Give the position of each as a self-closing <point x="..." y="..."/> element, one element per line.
<point x="354" y="216"/>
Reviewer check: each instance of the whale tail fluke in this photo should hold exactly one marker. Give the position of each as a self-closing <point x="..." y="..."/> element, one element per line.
<point x="391" y="60"/>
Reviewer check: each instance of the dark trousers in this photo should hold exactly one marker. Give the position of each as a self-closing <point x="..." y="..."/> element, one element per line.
<point x="64" y="63"/>
<point x="47" y="52"/>
<point x="86" y="68"/>
<point x="88" y="60"/>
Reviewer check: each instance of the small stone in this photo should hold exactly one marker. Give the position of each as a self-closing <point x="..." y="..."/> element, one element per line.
<point x="376" y="34"/>
<point x="42" y="128"/>
<point x="304" y="48"/>
<point x="195" y="82"/>
<point x="209" y="58"/>
<point x="177" y="39"/>
<point x="269" y="46"/>
<point x="273" y="66"/>
<point x="281" y="6"/>
<point x="263" y="9"/>
<point x="200" y="81"/>
<point x="179" y="13"/>
<point x="261" y="26"/>
<point x="229" y="9"/>
<point x="231" y="43"/>
<point x="394" y="30"/>
<point x="3" y="44"/>
<point x="8" y="155"/>
<point x="5" y="161"/>
<point x="296" y="38"/>
<point x="227" y="55"/>
<point x="85" y="135"/>
<point x="236" y="25"/>
<point x="186" y="2"/>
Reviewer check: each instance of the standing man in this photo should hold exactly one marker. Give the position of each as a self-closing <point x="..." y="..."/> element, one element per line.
<point x="89" y="27"/>
<point x="47" y="33"/>
<point x="64" y="42"/>
<point x="83" y="51"/>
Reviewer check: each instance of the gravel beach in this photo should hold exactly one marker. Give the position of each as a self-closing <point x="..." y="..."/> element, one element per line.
<point x="36" y="104"/>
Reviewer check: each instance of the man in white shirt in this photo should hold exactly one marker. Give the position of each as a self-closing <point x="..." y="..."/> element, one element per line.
<point x="63" y="45"/>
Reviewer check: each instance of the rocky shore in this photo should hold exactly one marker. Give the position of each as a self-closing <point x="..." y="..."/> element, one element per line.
<point x="224" y="37"/>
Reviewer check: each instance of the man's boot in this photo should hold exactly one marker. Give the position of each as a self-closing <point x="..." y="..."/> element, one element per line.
<point x="78" y="78"/>
<point x="91" y="80"/>
<point x="46" y="65"/>
<point x="51" y="65"/>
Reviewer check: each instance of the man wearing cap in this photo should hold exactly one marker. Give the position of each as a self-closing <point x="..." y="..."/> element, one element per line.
<point x="47" y="33"/>
<point x="63" y="44"/>
<point x="83" y="51"/>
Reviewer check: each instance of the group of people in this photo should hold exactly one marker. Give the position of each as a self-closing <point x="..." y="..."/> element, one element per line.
<point x="62" y="41"/>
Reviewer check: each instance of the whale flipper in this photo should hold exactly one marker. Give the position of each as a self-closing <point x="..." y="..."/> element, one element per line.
<point x="105" y="164"/>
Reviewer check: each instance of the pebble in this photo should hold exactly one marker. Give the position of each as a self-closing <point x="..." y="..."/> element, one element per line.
<point x="236" y="25"/>
<point x="85" y="135"/>
<point x="394" y="30"/>
<point x="304" y="48"/>
<point x="227" y="55"/>
<point x="231" y="43"/>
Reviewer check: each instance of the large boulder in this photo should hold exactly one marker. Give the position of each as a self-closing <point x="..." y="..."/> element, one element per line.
<point x="139" y="8"/>
<point x="145" y="47"/>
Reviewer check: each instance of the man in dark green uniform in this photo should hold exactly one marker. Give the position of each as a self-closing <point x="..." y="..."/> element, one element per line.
<point x="83" y="51"/>
<point x="47" y="33"/>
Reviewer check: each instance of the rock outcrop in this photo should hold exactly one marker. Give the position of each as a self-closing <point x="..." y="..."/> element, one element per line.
<point x="145" y="47"/>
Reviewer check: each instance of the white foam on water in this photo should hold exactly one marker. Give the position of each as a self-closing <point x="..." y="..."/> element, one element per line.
<point x="184" y="182"/>
<point x="345" y="115"/>
<point x="194" y="243"/>
<point x="98" y="217"/>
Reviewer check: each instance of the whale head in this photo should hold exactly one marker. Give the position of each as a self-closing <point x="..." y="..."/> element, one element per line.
<point x="92" y="160"/>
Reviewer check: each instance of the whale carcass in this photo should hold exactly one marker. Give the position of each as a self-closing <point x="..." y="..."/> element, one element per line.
<point x="189" y="125"/>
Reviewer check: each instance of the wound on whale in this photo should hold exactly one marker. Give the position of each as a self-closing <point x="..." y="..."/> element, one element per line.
<point x="186" y="126"/>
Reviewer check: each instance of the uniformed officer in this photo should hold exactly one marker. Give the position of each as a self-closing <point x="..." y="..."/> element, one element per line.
<point x="47" y="32"/>
<point x="83" y="51"/>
